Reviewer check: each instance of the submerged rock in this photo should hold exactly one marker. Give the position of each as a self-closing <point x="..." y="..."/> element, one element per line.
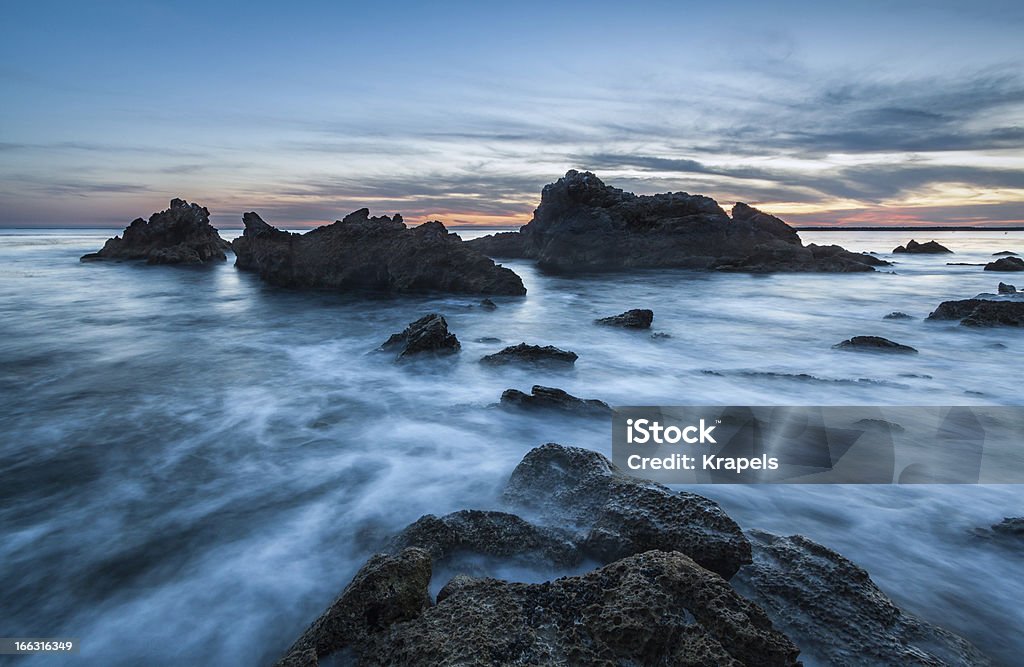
<point x="429" y="334"/>
<point x="834" y="612"/>
<point x="873" y="344"/>
<point x="1006" y="264"/>
<point x="897" y="315"/>
<point x="182" y="234"/>
<point x="1010" y="527"/>
<point x="981" y="312"/>
<point x="1007" y="289"/>
<point x="584" y="225"/>
<point x="929" y="248"/>
<point x="487" y="304"/>
<point x="531" y="354"/>
<point x="654" y="608"/>
<point x="550" y="398"/>
<point x="376" y="254"/>
<point x="638" y="318"/>
<point x="621" y="515"/>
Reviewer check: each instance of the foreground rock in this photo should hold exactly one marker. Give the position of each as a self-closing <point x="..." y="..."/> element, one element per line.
<point x="873" y="344"/>
<point x="929" y="248"/>
<point x="1007" y="289"/>
<point x="981" y="312"/>
<point x="427" y="335"/>
<point x="1006" y="264"/>
<point x="531" y="354"/>
<point x="619" y="515"/>
<point x="551" y="398"/>
<point x="180" y="235"/>
<point x="834" y="612"/>
<point x="375" y="254"/>
<point x="654" y="608"/>
<point x="638" y="318"/>
<point x="584" y="225"/>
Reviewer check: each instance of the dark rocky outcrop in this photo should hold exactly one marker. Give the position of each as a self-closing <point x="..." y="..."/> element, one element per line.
<point x="873" y="344"/>
<point x="551" y="398"/>
<point x="180" y="235"/>
<point x="621" y="515"/>
<point x="1006" y="264"/>
<point x="427" y="335"/>
<point x="1010" y="527"/>
<point x="487" y="533"/>
<point x="487" y="304"/>
<point x="583" y="225"/>
<point x="981" y="312"/>
<point x="387" y="589"/>
<point x="834" y="612"/>
<point x="897" y="315"/>
<point x="531" y="354"/>
<point x="1004" y="253"/>
<point x="929" y="248"/>
<point x="654" y="608"/>
<point x="1007" y="289"/>
<point x="637" y="318"/>
<point x="374" y="254"/>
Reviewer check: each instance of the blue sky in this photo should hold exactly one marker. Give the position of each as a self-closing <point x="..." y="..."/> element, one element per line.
<point x="864" y="113"/>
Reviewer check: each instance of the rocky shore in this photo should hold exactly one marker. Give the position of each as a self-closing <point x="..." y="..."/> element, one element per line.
<point x="674" y="581"/>
<point x="583" y="225"/>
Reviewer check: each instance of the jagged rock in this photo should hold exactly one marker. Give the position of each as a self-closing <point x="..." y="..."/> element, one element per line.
<point x="655" y="608"/>
<point x="873" y="344"/>
<point x="487" y="304"/>
<point x="981" y="312"/>
<point x="531" y="354"/>
<point x="180" y="235"/>
<point x="897" y="315"/>
<point x="376" y="254"/>
<point x="1010" y="527"/>
<point x="834" y="612"/>
<point x="929" y="248"/>
<point x="638" y="318"/>
<point x="1006" y="264"/>
<point x="387" y="589"/>
<point x="584" y="225"/>
<point x="1007" y="289"/>
<point x="622" y="515"/>
<point x="429" y="334"/>
<point x="1004" y="253"/>
<point x="550" y="398"/>
<point x="488" y="533"/>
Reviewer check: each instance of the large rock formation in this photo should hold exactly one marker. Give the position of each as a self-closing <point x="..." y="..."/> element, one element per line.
<point x="373" y="254"/>
<point x="834" y="612"/>
<point x="981" y="312"/>
<point x="584" y="225"/>
<point x="929" y="248"/>
<point x="180" y="235"/>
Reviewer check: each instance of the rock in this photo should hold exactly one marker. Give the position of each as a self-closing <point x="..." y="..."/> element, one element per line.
<point x="873" y="344"/>
<point x="531" y="354"/>
<point x="660" y="335"/>
<point x="1007" y="289"/>
<point x="981" y="312"/>
<point x="487" y="533"/>
<point x="550" y="398"/>
<point x="1010" y="527"/>
<point x="374" y="254"/>
<point x="897" y="315"/>
<point x="180" y="235"/>
<point x="387" y="589"/>
<point x="638" y="318"/>
<point x="929" y="248"/>
<point x="584" y="225"/>
<point x="429" y="334"/>
<point x="654" y="608"/>
<point x="621" y="515"/>
<point x="487" y="304"/>
<point x="834" y="612"/>
<point x="1006" y="264"/>
<point x="1004" y="253"/>
<point x="487" y="339"/>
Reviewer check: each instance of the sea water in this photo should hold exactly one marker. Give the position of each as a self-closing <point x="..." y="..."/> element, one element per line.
<point x="193" y="464"/>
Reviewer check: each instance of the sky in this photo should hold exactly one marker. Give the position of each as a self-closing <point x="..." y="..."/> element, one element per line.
<point x="866" y="113"/>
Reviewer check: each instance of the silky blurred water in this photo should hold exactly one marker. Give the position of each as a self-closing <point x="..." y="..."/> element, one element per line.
<point x="194" y="464"/>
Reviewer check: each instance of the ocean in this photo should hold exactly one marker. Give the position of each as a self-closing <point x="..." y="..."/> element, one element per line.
<point x="194" y="463"/>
